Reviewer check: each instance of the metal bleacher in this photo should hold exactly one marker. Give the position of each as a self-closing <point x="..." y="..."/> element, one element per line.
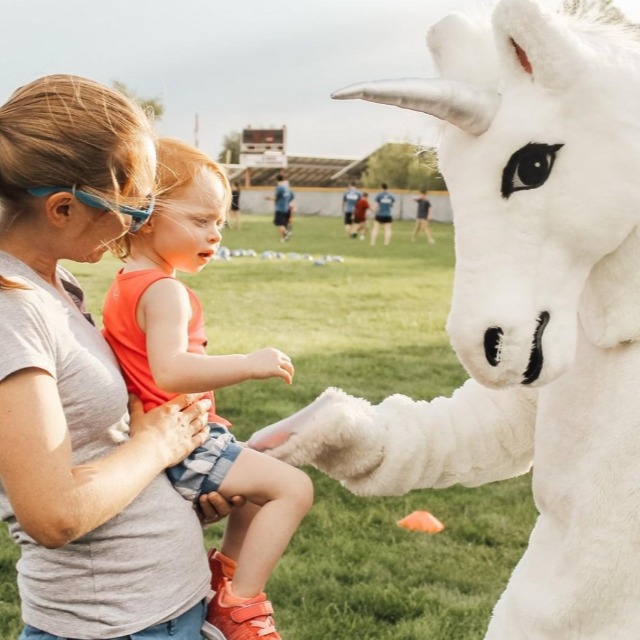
<point x="303" y="171"/>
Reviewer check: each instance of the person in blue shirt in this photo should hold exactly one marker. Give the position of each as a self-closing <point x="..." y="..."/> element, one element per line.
<point x="349" y="199"/>
<point x="283" y="206"/>
<point x="384" y="217"/>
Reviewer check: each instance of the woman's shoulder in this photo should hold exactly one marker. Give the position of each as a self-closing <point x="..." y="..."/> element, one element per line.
<point x="26" y="306"/>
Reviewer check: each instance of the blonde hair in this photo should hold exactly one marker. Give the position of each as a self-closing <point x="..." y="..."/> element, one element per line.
<point x="64" y="130"/>
<point x="178" y="166"/>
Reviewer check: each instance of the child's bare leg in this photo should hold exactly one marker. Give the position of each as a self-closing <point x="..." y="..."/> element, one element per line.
<point x="237" y="526"/>
<point x="284" y="495"/>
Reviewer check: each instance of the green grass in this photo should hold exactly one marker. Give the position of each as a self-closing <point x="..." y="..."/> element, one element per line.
<point x="373" y="325"/>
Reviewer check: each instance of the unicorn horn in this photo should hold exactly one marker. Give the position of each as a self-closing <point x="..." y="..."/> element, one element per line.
<point x="467" y="106"/>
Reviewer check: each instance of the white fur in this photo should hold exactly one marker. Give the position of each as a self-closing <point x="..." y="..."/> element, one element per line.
<point x="570" y="247"/>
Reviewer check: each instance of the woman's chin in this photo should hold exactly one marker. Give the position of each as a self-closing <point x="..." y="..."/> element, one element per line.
<point x="94" y="256"/>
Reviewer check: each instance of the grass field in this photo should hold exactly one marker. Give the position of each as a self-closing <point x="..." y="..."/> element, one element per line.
<point x="372" y="325"/>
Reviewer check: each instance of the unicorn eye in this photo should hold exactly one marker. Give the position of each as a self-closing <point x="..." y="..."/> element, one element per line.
<point x="528" y="168"/>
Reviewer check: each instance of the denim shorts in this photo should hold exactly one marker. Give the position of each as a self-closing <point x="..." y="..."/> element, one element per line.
<point x="205" y="469"/>
<point x="184" y="627"/>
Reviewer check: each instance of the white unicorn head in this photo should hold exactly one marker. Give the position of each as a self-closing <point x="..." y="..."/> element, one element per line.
<point x="541" y="154"/>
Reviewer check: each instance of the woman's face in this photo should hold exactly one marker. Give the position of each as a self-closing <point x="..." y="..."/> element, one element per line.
<point x="93" y="237"/>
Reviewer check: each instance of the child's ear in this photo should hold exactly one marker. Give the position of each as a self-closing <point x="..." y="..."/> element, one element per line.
<point x="147" y="227"/>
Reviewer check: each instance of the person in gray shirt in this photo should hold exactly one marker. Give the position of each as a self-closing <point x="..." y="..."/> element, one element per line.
<point x="108" y="548"/>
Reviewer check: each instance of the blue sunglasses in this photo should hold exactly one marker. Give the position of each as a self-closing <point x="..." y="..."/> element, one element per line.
<point x="138" y="216"/>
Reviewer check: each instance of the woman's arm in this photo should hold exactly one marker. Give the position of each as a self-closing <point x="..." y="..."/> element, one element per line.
<point x="57" y="502"/>
<point x="163" y="314"/>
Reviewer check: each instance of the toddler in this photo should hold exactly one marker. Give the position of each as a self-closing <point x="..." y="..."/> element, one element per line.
<point x="154" y="324"/>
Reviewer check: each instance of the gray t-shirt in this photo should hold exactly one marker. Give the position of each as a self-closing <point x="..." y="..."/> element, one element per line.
<point x="145" y="565"/>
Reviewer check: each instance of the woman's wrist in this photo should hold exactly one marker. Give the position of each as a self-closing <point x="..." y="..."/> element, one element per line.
<point x="151" y="448"/>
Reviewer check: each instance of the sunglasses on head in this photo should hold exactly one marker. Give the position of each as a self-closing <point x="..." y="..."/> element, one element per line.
<point x="138" y="216"/>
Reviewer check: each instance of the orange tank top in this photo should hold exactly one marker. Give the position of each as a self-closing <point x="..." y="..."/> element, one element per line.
<point x="129" y="343"/>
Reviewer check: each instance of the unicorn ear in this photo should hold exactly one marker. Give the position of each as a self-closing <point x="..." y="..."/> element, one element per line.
<point x="610" y="304"/>
<point x="464" y="49"/>
<point x="535" y="44"/>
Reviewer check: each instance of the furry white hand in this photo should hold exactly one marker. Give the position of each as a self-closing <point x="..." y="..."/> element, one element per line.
<point x="335" y="434"/>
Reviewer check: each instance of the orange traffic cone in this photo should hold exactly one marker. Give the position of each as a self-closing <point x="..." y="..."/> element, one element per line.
<point x="421" y="521"/>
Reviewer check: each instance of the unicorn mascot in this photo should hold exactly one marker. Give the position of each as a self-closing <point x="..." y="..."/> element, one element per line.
<point x="545" y="314"/>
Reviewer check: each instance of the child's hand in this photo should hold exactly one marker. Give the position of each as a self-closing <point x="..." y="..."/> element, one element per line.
<point x="270" y="363"/>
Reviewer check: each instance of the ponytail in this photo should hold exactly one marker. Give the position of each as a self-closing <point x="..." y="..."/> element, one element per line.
<point x="68" y="130"/>
<point x="5" y="283"/>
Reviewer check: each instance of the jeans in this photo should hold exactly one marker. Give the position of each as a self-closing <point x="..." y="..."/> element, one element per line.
<point x="205" y="468"/>
<point x="184" y="627"/>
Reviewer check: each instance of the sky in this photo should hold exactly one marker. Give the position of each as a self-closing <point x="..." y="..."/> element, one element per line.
<point x="238" y="63"/>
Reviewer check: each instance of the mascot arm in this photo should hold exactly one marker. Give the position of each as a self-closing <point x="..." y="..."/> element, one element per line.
<point x="477" y="435"/>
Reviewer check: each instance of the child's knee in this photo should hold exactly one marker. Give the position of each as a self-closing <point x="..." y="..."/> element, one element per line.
<point x="301" y="489"/>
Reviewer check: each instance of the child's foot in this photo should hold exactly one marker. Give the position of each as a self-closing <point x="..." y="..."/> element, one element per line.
<point x="250" y="620"/>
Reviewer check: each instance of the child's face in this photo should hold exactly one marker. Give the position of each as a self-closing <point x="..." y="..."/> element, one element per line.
<point x="186" y="231"/>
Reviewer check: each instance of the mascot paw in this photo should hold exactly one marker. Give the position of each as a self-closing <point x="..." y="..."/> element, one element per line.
<point x="334" y="434"/>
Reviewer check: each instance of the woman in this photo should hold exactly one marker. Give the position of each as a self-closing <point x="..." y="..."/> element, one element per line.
<point x="108" y="548"/>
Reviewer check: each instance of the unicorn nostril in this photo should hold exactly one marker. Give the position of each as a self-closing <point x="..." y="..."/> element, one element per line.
<point x="493" y="345"/>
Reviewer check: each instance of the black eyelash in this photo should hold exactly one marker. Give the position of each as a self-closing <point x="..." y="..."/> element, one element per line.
<point x="528" y="168"/>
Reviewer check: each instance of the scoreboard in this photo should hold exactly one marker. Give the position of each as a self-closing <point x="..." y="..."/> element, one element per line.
<point x="263" y="147"/>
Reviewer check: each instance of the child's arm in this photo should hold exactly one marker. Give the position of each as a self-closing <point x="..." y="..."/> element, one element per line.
<point x="163" y="314"/>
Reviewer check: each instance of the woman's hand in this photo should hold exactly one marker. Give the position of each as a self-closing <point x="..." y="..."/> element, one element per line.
<point x="270" y="363"/>
<point x="213" y="507"/>
<point x="176" y="428"/>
